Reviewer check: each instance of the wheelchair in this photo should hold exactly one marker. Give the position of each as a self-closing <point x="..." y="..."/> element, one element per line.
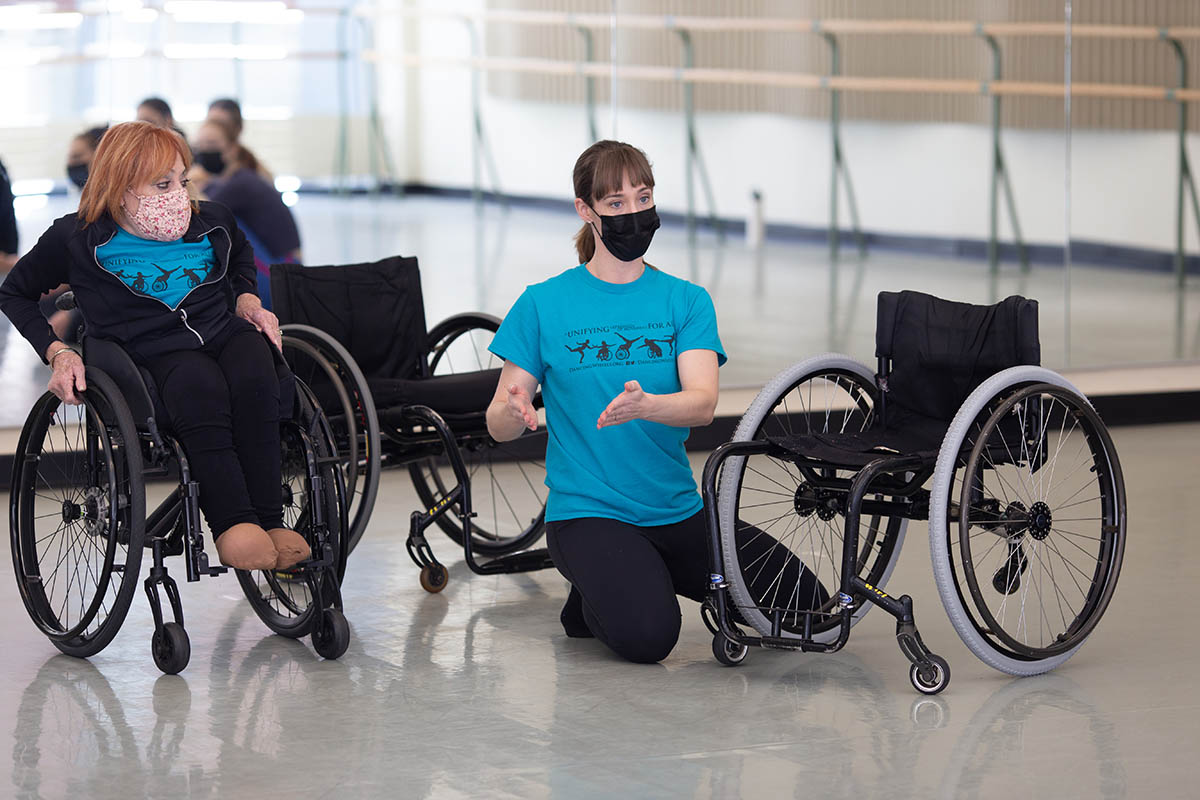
<point x="1025" y="499"/>
<point x="79" y="525"/>
<point x="398" y="394"/>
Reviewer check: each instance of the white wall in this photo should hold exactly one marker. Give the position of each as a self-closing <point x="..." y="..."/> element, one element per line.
<point x="928" y="179"/>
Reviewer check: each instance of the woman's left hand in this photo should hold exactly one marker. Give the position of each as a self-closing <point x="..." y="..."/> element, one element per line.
<point x="250" y="308"/>
<point x="629" y="405"/>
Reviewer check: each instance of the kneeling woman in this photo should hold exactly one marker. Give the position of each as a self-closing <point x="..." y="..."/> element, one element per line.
<point x="173" y="283"/>
<point x="627" y="358"/>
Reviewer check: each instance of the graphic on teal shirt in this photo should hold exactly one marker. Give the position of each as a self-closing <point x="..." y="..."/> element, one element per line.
<point x="583" y="339"/>
<point x="163" y="270"/>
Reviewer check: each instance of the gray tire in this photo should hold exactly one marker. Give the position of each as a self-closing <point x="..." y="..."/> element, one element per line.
<point x="939" y="541"/>
<point x="731" y="479"/>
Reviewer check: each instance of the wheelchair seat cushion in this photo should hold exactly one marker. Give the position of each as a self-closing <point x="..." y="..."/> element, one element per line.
<point x="463" y="393"/>
<point x="906" y="434"/>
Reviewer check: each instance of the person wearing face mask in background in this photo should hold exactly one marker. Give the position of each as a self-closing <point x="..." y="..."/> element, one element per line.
<point x="173" y="283"/>
<point x="228" y="112"/>
<point x="227" y="173"/>
<point x="627" y="359"/>
<point x="80" y="154"/>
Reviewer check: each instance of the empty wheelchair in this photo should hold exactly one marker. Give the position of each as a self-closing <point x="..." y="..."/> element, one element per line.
<point x="1009" y="462"/>
<point x="79" y="524"/>
<point x="398" y="394"/>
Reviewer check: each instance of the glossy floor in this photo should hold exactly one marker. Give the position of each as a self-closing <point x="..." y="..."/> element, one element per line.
<point x="476" y="693"/>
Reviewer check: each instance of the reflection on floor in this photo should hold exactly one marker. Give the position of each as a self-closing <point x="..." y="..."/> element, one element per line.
<point x="774" y="306"/>
<point x="476" y="693"/>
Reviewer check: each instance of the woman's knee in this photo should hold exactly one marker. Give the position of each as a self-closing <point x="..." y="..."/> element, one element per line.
<point x="644" y="639"/>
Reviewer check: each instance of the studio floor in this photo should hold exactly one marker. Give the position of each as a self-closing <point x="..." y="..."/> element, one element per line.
<point x="476" y="692"/>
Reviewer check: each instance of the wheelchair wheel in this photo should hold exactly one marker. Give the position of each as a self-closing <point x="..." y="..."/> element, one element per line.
<point x="1026" y="521"/>
<point x="284" y="599"/>
<point x="508" y="490"/>
<point x="322" y="364"/>
<point x="762" y="495"/>
<point x="78" y="516"/>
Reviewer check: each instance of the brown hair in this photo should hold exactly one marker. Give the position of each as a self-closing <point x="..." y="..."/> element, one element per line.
<point x="244" y="157"/>
<point x="129" y="155"/>
<point x="599" y="172"/>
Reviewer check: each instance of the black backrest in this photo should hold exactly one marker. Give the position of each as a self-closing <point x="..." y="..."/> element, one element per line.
<point x="940" y="350"/>
<point x="374" y="310"/>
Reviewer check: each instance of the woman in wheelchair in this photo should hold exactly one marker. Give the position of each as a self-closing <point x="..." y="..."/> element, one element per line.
<point x="624" y="518"/>
<point x="127" y="254"/>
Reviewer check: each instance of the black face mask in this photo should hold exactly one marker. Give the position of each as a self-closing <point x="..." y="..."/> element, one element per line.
<point x="211" y="160"/>
<point x="78" y="174"/>
<point x="627" y="236"/>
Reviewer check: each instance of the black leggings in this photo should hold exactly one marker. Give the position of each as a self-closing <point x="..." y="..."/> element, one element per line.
<point x="222" y="401"/>
<point x="628" y="576"/>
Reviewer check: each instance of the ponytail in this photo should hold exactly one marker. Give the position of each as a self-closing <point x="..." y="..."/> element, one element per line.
<point x="585" y="244"/>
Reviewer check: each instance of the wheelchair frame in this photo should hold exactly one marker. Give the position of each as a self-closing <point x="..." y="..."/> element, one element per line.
<point x="930" y="673"/>
<point x="417" y="433"/>
<point x="174" y="527"/>
<point x="996" y="426"/>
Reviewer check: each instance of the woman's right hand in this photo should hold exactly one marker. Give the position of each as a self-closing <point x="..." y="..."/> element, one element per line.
<point x="67" y="381"/>
<point x="520" y="407"/>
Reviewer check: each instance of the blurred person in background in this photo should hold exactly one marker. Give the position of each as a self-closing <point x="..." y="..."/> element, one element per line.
<point x="228" y="111"/>
<point x="80" y="153"/>
<point x="8" y="223"/>
<point x="157" y="111"/>
<point x="227" y="173"/>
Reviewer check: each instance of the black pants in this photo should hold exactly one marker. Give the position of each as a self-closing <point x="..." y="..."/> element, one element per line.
<point x="628" y="576"/>
<point x="222" y="402"/>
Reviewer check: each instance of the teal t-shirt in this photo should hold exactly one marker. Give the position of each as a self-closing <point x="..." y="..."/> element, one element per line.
<point x="583" y="338"/>
<point x="165" y="270"/>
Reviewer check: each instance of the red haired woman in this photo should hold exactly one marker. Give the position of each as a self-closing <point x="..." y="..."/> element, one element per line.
<point x="173" y="282"/>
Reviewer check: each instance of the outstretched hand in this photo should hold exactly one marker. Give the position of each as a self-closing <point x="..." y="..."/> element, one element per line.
<point x="520" y="406"/>
<point x="628" y="405"/>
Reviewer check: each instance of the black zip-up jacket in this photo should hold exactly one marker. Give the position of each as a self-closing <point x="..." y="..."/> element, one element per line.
<point x="141" y="323"/>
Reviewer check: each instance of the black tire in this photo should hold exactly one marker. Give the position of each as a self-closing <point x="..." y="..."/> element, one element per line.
<point x="931" y="680"/>
<point x="331" y="636"/>
<point x="326" y="367"/>
<point x="827" y="393"/>
<point x="77" y="480"/>
<point x="508" y="485"/>
<point x="727" y="651"/>
<point x="1029" y="566"/>
<point x="171" y="648"/>
<point x="284" y="599"/>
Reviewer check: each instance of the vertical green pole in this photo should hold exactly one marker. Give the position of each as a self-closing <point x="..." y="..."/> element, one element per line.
<point x="1183" y="176"/>
<point x="835" y="101"/>
<point x="589" y="54"/>
<point x="993" y="246"/>
<point x="690" y="135"/>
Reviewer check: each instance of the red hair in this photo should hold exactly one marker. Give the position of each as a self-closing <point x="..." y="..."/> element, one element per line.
<point x="130" y="154"/>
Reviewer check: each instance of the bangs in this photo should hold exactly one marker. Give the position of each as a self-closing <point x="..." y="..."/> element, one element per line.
<point x="158" y="157"/>
<point x="613" y="166"/>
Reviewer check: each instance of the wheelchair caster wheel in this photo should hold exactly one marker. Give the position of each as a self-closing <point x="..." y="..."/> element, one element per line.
<point x="171" y="648"/>
<point x="434" y="578"/>
<point x="332" y="634"/>
<point x="931" y="679"/>
<point x="729" y="652"/>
